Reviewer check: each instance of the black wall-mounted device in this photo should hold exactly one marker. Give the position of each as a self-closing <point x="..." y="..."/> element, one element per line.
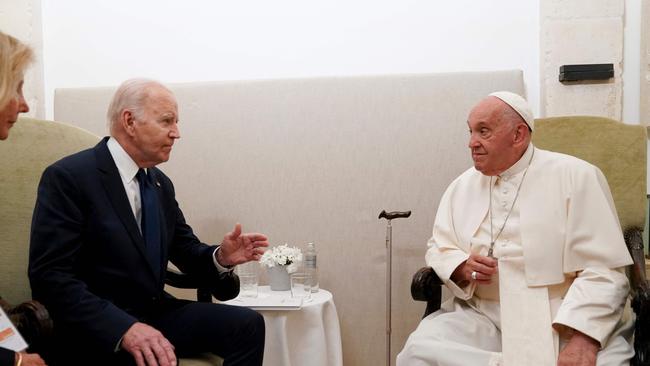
<point x="586" y="72"/>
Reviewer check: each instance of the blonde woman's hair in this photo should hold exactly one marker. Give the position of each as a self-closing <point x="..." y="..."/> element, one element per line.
<point x="15" y="56"/>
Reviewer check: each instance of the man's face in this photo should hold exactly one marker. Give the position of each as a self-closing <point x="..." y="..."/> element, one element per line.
<point x="156" y="128"/>
<point x="491" y="138"/>
<point x="9" y="113"/>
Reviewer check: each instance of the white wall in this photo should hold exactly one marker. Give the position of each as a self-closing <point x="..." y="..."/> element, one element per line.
<point x="22" y="19"/>
<point x="92" y="43"/>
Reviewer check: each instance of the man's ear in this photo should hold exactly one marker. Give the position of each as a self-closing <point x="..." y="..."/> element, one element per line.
<point x="520" y="133"/>
<point x="127" y="120"/>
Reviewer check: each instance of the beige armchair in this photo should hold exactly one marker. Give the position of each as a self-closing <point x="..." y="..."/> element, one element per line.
<point x="31" y="147"/>
<point x="619" y="150"/>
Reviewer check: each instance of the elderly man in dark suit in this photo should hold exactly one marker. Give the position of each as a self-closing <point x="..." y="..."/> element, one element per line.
<point x="105" y="224"/>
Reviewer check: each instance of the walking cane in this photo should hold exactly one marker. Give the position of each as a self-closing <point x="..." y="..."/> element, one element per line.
<point x="389" y="255"/>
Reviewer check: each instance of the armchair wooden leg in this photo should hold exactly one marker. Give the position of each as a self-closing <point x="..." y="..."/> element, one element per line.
<point x="641" y="306"/>
<point x="33" y="322"/>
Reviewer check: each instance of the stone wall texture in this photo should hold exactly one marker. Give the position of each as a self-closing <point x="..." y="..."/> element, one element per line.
<point x="581" y="32"/>
<point x="645" y="64"/>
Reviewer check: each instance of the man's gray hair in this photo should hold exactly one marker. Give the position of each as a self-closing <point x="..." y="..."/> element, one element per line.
<point x="130" y="95"/>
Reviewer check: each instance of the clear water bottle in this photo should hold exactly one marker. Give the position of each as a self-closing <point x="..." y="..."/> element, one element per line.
<point x="311" y="267"/>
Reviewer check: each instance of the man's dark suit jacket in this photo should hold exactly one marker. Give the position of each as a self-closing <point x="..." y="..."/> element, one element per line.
<point x="88" y="263"/>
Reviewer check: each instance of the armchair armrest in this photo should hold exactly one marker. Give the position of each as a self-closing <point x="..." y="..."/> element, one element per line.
<point x="426" y="286"/>
<point x="640" y="297"/>
<point x="637" y="274"/>
<point x="224" y="288"/>
<point x="33" y="321"/>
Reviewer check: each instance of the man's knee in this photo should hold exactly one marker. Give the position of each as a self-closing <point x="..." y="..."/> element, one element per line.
<point x="252" y="324"/>
<point x="246" y="347"/>
<point x="259" y="326"/>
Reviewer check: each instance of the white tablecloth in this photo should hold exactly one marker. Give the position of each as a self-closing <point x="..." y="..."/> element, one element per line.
<point x="310" y="336"/>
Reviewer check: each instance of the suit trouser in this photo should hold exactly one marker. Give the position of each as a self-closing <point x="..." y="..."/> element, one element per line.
<point x="234" y="333"/>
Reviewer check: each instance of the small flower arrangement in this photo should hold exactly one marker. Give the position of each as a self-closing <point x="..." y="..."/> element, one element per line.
<point x="282" y="255"/>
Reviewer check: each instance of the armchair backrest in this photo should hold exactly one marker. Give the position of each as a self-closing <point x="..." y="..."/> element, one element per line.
<point x="618" y="149"/>
<point x="32" y="146"/>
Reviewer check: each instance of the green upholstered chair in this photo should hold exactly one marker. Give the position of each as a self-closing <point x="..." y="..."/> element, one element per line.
<point x="619" y="150"/>
<point x="31" y="147"/>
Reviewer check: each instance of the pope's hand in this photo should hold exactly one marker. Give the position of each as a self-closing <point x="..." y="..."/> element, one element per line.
<point x="238" y="248"/>
<point x="581" y="350"/>
<point x="476" y="268"/>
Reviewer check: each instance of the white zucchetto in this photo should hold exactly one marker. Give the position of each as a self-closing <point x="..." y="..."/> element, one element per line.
<point x="519" y="104"/>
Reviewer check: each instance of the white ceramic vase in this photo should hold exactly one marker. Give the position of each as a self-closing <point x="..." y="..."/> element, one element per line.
<point x="279" y="278"/>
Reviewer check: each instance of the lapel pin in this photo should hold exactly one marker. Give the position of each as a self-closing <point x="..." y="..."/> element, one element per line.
<point x="158" y="183"/>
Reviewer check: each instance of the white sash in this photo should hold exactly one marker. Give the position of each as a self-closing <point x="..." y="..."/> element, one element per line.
<point x="528" y="339"/>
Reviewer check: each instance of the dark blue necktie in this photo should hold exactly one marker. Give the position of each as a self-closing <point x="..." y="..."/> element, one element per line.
<point x="150" y="221"/>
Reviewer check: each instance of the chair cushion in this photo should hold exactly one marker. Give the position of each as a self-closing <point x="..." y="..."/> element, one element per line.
<point x="618" y="149"/>
<point x="206" y="359"/>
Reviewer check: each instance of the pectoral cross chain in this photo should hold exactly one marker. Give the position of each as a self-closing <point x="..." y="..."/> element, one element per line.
<point x="492" y="237"/>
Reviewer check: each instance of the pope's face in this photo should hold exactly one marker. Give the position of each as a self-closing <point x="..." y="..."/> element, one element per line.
<point x="9" y="113"/>
<point x="491" y="138"/>
<point x="156" y="128"/>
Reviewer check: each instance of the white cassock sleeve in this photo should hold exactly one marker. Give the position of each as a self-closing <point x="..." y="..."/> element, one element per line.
<point x="596" y="252"/>
<point x="443" y="255"/>
<point x="594" y="303"/>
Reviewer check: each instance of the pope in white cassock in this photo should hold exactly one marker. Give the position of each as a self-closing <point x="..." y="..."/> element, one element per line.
<point x="529" y="244"/>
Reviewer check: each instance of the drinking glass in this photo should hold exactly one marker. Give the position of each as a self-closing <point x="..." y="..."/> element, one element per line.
<point x="301" y="286"/>
<point x="248" y="278"/>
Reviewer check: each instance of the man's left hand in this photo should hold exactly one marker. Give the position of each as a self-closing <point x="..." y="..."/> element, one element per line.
<point x="581" y="350"/>
<point x="238" y="248"/>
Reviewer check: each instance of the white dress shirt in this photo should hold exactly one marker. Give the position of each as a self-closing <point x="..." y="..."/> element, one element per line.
<point x="128" y="170"/>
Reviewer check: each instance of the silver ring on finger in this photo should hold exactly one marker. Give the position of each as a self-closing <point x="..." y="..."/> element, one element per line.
<point x="474" y="275"/>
